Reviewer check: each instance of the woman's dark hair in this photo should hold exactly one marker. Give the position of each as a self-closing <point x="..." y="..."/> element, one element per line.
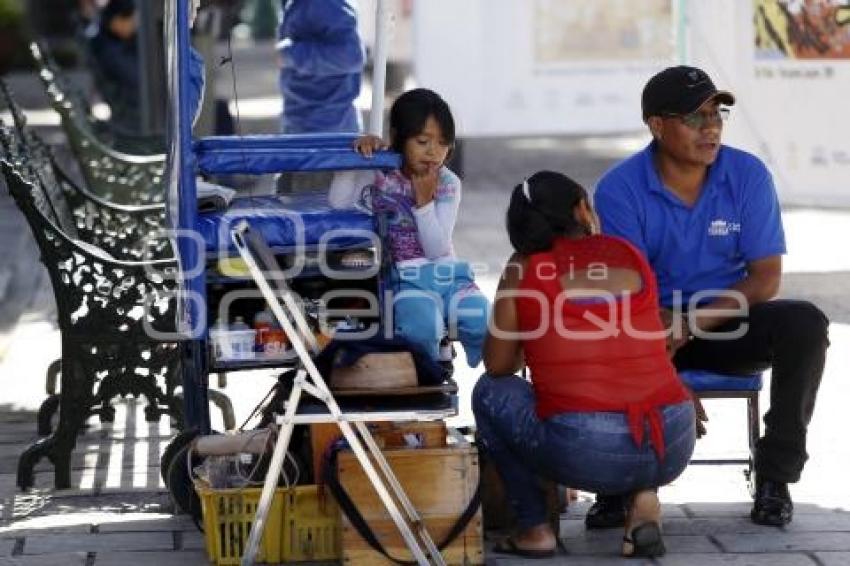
<point x="547" y="211"/>
<point x="409" y="113"/>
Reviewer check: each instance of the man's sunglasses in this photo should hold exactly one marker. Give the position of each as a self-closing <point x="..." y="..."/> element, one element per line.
<point x="699" y="120"/>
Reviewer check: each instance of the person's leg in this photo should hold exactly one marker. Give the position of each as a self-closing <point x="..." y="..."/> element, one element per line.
<point x="791" y="338"/>
<point x="509" y="431"/>
<point x="609" y="509"/>
<point x="468" y="312"/>
<point x="417" y="310"/>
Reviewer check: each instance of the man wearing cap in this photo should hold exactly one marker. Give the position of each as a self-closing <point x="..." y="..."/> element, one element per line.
<point x="708" y="219"/>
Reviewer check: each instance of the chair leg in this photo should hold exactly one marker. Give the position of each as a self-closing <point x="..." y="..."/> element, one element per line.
<point x="753" y="435"/>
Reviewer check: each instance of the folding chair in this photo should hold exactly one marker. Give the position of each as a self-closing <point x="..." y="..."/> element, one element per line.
<point x="267" y="275"/>
<point x="712" y="385"/>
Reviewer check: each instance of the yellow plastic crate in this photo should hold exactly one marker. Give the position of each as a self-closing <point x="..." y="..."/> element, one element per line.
<point x="301" y="525"/>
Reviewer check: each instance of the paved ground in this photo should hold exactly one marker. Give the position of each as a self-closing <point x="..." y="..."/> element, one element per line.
<point x="118" y="512"/>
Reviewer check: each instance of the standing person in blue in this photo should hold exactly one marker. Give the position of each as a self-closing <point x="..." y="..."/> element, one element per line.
<point x="707" y="217"/>
<point x="435" y="292"/>
<point x="321" y="59"/>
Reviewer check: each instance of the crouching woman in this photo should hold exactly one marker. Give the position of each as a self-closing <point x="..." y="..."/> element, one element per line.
<point x="604" y="410"/>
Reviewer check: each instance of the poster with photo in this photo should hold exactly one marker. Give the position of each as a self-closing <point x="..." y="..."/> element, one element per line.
<point x="802" y="29"/>
<point x="788" y="64"/>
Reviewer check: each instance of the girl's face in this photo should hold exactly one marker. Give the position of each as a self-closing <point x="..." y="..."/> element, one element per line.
<point x="426" y="152"/>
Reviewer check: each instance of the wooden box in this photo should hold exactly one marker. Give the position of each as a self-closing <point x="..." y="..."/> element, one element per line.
<point x="427" y="434"/>
<point x="440" y="482"/>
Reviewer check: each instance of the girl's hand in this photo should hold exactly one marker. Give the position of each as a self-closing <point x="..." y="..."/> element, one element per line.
<point x="367" y="145"/>
<point x="425" y="185"/>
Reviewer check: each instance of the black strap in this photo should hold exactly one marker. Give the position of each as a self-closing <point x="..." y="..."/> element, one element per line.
<point x="330" y="474"/>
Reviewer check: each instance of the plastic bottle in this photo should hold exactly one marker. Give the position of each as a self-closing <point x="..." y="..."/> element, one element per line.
<point x="241" y="339"/>
<point x="263" y="323"/>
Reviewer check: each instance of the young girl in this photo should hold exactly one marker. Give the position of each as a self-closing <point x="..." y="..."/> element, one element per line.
<point x="431" y="288"/>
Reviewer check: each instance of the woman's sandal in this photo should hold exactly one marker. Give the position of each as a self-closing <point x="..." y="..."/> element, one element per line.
<point x="644" y="540"/>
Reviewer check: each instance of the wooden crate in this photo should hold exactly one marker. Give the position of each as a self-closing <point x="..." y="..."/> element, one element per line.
<point x="429" y="434"/>
<point x="440" y="483"/>
<point x="432" y="434"/>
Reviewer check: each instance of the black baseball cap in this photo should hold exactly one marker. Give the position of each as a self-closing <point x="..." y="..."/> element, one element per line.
<point x="680" y="90"/>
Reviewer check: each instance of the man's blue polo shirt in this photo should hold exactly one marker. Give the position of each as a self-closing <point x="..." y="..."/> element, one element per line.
<point x="704" y="247"/>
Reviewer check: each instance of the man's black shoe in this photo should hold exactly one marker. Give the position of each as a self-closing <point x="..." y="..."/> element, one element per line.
<point x="773" y="505"/>
<point x="608" y="512"/>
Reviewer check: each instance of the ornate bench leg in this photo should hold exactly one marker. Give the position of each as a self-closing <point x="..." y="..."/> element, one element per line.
<point x="53" y="372"/>
<point x="57" y="448"/>
<point x="46" y="411"/>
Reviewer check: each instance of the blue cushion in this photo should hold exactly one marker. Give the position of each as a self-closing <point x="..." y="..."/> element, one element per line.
<point x="296" y="152"/>
<point x="277" y="217"/>
<point x="702" y="380"/>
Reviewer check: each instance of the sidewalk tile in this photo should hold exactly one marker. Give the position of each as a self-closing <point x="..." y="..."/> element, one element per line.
<point x="64" y="559"/>
<point x="784" y="559"/>
<point x="157" y="558"/>
<point x="784" y="541"/>
<point x="157" y="523"/>
<point x="839" y="521"/>
<point x="611" y="542"/>
<point x="194" y="540"/>
<point x="48" y="544"/>
<point x="6" y="546"/>
<point x="712" y="525"/>
<point x="740" y="509"/>
<point x="833" y="558"/>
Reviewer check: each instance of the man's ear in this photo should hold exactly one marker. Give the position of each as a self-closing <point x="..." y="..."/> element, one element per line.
<point x="656" y="126"/>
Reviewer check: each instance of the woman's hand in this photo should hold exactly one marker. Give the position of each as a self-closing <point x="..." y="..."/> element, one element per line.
<point x="367" y="145"/>
<point x="425" y="185"/>
<point x="679" y="332"/>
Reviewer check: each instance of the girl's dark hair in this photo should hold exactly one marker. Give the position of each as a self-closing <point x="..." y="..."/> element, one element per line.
<point x="409" y="113"/>
<point x="534" y="224"/>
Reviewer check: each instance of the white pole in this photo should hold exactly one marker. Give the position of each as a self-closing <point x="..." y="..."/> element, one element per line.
<point x="379" y="69"/>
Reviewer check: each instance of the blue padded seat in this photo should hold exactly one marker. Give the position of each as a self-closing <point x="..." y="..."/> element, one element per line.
<point x="276" y="217"/>
<point x="712" y="385"/>
<point x="702" y="380"/>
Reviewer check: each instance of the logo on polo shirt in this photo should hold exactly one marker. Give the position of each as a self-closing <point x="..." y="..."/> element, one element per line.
<point x="721" y="227"/>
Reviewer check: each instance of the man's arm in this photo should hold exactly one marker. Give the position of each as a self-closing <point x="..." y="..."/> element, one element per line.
<point x="760" y="285"/>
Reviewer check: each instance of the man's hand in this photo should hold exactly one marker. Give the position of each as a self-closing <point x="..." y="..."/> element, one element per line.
<point x="425" y="185"/>
<point x="367" y="145"/>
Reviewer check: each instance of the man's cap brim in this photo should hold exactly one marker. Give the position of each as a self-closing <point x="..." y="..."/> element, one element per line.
<point x="721" y="96"/>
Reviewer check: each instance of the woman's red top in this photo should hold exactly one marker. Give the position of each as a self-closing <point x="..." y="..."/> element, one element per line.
<point x="599" y="354"/>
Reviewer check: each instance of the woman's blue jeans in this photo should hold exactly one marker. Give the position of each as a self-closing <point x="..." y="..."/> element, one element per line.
<point x="590" y="451"/>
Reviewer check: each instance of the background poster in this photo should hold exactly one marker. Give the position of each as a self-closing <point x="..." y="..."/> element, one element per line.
<point x="796" y="29"/>
<point x="526" y="67"/>
<point x="788" y="63"/>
